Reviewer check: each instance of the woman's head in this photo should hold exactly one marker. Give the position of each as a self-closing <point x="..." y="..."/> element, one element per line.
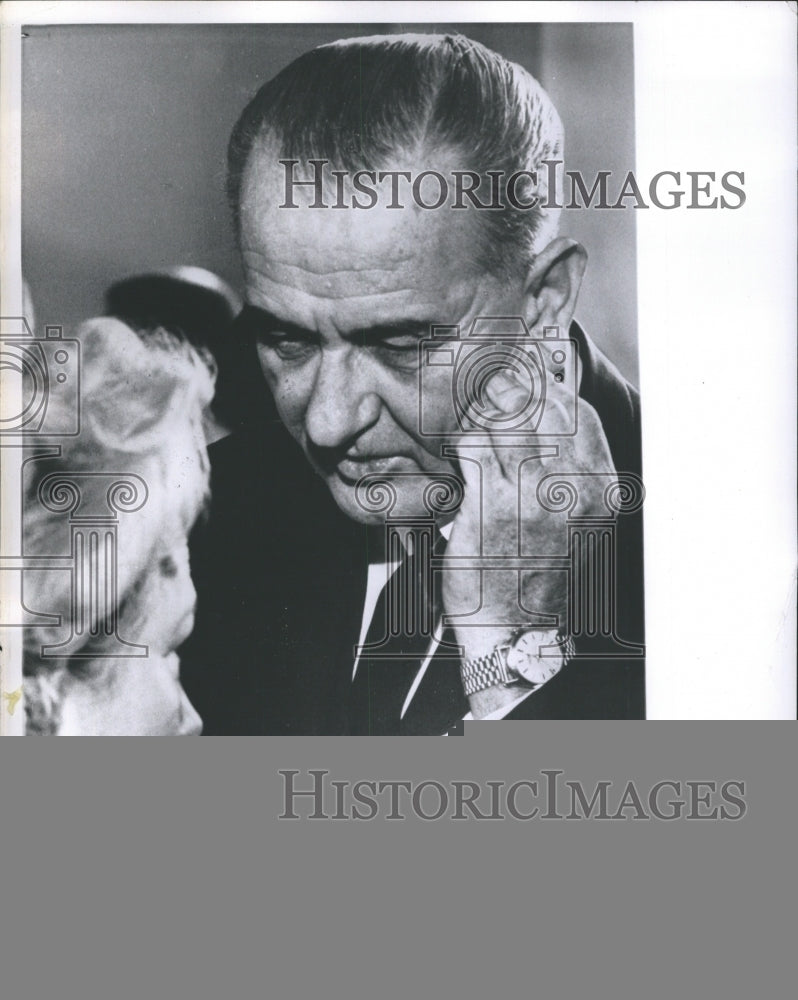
<point x="142" y="399"/>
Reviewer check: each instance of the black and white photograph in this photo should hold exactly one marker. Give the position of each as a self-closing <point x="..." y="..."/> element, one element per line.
<point x="329" y="418"/>
<point x="378" y="369"/>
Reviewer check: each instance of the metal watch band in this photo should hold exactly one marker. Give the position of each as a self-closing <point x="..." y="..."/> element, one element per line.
<point x="485" y="672"/>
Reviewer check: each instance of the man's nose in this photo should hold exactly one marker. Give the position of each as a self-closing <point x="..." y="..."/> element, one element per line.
<point x="343" y="402"/>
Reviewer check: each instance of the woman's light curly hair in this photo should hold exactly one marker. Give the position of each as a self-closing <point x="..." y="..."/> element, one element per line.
<point x="142" y="400"/>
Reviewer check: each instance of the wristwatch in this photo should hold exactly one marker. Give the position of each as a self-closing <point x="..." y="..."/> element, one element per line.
<point x="519" y="661"/>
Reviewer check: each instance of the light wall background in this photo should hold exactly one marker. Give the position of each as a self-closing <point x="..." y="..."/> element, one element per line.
<point x="125" y="128"/>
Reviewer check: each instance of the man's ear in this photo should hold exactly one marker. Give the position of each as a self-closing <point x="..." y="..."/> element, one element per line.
<point x="553" y="283"/>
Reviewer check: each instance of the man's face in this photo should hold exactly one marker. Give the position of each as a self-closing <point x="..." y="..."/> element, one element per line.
<point x="346" y="296"/>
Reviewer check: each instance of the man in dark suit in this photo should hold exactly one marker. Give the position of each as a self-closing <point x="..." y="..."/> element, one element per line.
<point x="439" y="518"/>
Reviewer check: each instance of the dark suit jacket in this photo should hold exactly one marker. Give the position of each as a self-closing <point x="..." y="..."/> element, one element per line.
<point x="281" y="573"/>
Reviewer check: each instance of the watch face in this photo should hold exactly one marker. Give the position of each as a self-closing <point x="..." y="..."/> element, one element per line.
<point x="523" y="658"/>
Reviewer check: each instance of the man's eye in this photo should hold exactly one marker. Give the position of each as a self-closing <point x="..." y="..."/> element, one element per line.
<point x="400" y="352"/>
<point x="400" y="344"/>
<point x="286" y="347"/>
<point x="398" y="349"/>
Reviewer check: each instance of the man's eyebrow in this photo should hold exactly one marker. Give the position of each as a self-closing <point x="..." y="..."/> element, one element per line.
<point x="399" y="328"/>
<point x="257" y="318"/>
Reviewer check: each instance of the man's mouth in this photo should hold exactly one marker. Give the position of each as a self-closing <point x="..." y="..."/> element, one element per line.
<point x="351" y="470"/>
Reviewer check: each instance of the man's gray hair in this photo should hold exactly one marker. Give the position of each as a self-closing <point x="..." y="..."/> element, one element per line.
<point x="357" y="102"/>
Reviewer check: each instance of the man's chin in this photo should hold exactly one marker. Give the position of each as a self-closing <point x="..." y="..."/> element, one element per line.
<point x="372" y="499"/>
<point x="366" y="503"/>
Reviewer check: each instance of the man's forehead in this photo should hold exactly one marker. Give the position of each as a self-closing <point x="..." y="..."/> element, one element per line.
<point x="323" y="240"/>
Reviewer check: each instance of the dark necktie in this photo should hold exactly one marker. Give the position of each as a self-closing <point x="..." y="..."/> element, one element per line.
<point x="399" y="637"/>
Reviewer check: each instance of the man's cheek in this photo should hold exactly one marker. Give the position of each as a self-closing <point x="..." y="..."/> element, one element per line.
<point x="435" y="410"/>
<point x="289" y="398"/>
<point x="290" y="415"/>
<point x="266" y="366"/>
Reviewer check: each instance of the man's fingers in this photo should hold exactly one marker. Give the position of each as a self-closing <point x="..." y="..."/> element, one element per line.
<point x="470" y="469"/>
<point x="510" y="405"/>
<point x="507" y="393"/>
